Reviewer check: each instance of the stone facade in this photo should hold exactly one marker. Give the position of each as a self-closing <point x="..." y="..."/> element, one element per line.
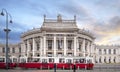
<point x="14" y="50"/>
<point x="107" y="54"/>
<point x="58" y="37"/>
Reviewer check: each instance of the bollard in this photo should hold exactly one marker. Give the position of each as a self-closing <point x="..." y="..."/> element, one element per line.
<point x="48" y="68"/>
<point x="74" y="68"/>
<point x="41" y="67"/>
<point x="54" y="67"/>
<point x="70" y="67"/>
<point x="78" y="67"/>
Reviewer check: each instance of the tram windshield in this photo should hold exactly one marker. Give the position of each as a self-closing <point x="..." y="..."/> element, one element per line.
<point x="2" y="59"/>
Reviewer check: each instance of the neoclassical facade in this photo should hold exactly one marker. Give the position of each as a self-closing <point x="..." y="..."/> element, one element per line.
<point x="107" y="54"/>
<point x="62" y="38"/>
<point x="57" y="37"/>
<point x="14" y="50"/>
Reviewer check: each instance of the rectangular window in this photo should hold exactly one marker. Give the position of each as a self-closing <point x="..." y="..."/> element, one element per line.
<point x="19" y="49"/>
<point x="3" y="50"/>
<point x="8" y="50"/>
<point x="79" y="47"/>
<point x="104" y="51"/>
<point x="69" y="44"/>
<point x="59" y="44"/>
<point x="109" y="51"/>
<point x="114" y="52"/>
<point x="38" y="46"/>
<point x="49" y="44"/>
<point x="13" y="50"/>
<point x="31" y="47"/>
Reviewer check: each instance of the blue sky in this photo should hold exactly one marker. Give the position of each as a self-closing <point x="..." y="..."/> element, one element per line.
<point x="101" y="17"/>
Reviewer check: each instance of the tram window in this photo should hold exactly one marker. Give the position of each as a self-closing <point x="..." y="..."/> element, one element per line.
<point x="29" y="60"/>
<point x="2" y="59"/>
<point x="51" y="60"/>
<point x="76" y="61"/>
<point x="61" y="60"/>
<point x="9" y="60"/>
<point x="82" y="60"/>
<point x="69" y="61"/>
<point x="14" y="60"/>
<point x="89" y="61"/>
<point x="23" y="61"/>
<point x="36" y="60"/>
<point x="44" y="61"/>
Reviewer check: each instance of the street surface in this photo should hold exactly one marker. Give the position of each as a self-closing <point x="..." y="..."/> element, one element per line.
<point x="97" y="68"/>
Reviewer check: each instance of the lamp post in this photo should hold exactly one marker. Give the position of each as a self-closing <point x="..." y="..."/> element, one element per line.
<point x="7" y="30"/>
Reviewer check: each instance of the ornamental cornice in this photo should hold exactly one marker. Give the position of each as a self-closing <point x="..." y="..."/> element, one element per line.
<point x="30" y="32"/>
<point x="87" y="33"/>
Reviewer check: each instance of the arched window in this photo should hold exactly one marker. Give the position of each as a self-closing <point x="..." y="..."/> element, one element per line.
<point x="114" y="51"/>
<point x="99" y="59"/>
<point x="109" y="59"/>
<point x="104" y="59"/>
<point x="114" y="59"/>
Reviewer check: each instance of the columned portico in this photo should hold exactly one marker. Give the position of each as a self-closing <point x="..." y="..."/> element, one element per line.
<point x="57" y="38"/>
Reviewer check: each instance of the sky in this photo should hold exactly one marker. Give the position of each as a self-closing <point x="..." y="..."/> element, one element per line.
<point x="100" y="17"/>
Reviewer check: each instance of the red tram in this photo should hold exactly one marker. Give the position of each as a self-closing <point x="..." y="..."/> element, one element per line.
<point x="59" y="62"/>
<point x="48" y="62"/>
<point x="12" y="62"/>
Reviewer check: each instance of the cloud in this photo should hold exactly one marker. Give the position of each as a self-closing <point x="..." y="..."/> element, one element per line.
<point x="108" y="32"/>
<point x="74" y="9"/>
<point x="100" y="17"/>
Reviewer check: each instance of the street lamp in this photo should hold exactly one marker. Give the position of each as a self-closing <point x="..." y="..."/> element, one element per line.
<point x="7" y="30"/>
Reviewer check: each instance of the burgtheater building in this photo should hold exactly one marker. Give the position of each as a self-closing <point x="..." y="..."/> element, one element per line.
<point x="62" y="38"/>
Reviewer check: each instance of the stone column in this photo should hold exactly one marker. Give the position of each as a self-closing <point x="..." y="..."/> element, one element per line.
<point x="44" y="45"/>
<point x="64" y="45"/>
<point x="75" y="46"/>
<point x="91" y="48"/>
<point x="41" y="49"/>
<point x="28" y="48"/>
<point x="88" y="48"/>
<point x="34" y="46"/>
<point x="24" y="49"/>
<point x="54" y="45"/>
<point x="83" y="47"/>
